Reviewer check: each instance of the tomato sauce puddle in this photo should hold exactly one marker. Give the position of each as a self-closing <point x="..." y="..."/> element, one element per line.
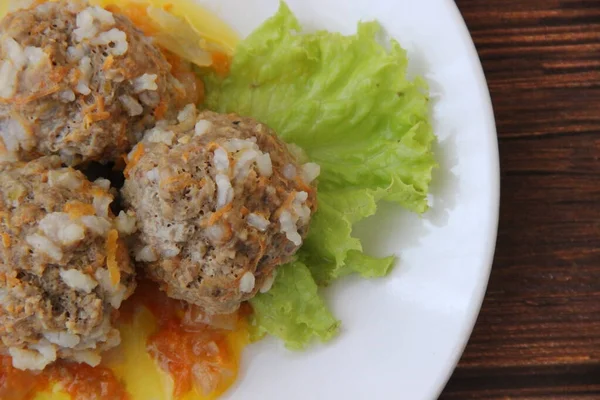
<point x="197" y="356"/>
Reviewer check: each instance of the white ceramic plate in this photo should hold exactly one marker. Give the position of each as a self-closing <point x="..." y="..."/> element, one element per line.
<point x="402" y="335"/>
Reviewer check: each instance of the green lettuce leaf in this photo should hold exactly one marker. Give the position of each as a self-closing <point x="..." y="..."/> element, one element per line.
<point x="346" y="101"/>
<point x="330" y="237"/>
<point x="293" y="309"/>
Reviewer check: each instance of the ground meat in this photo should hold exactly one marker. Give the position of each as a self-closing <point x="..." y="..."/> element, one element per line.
<point x="220" y="202"/>
<point x="79" y="82"/>
<point x="64" y="267"/>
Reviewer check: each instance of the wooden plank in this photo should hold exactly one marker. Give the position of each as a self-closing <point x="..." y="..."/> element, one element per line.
<point x="538" y="335"/>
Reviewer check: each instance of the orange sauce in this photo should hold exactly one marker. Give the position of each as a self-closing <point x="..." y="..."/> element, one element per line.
<point x="80" y="381"/>
<point x="19" y="385"/>
<point x="83" y="382"/>
<point x="197" y="356"/>
<point x="221" y="63"/>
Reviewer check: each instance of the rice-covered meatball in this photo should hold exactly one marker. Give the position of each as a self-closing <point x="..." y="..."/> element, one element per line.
<point x="80" y="82"/>
<point x="64" y="267"/>
<point x="220" y="203"/>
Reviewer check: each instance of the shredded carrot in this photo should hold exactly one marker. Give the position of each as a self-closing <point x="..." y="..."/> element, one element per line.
<point x="6" y="241"/>
<point x="22" y="100"/>
<point x="221" y="63"/>
<point x="100" y="104"/>
<point x="261" y="253"/>
<point x="58" y="73"/>
<point x="263" y="181"/>
<point x="112" y="247"/>
<point x="212" y="146"/>
<point x="244" y="211"/>
<point x="77" y="209"/>
<point x="95" y="112"/>
<point x="219" y="214"/>
<point x="286" y="204"/>
<point x="135" y="158"/>
<point x="229" y="230"/>
<point x="302" y="185"/>
<point x="89" y="119"/>
<point x="110" y="60"/>
<point x="161" y="110"/>
<point x="98" y="191"/>
<point x="168" y="7"/>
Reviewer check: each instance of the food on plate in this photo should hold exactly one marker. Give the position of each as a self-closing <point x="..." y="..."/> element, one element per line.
<point x="64" y="269"/>
<point x="221" y="202"/>
<point x="80" y="82"/>
<point x="246" y="166"/>
<point x="347" y="102"/>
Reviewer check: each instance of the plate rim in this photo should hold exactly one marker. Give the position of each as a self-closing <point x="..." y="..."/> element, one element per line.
<point x="494" y="163"/>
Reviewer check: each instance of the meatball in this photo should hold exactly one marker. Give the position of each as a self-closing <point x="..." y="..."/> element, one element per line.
<point x="220" y="203"/>
<point x="64" y="267"/>
<point x="79" y="82"/>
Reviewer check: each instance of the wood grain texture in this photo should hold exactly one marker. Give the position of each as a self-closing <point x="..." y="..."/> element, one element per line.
<point x="538" y="334"/>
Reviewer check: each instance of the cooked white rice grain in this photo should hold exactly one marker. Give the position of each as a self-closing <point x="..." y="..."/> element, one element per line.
<point x="224" y="190"/>
<point x="103" y="183"/>
<point x="30" y="359"/>
<point x="42" y="244"/>
<point x="159" y="135"/>
<point x="77" y="280"/>
<point x="8" y="83"/>
<point x="144" y="82"/>
<point x="126" y="223"/>
<point x="99" y="226"/>
<point x="221" y="160"/>
<point x="66" y="96"/>
<point x="288" y="226"/>
<point x="188" y="113"/>
<point x="15" y="135"/>
<point x="59" y="225"/>
<point x="265" y="165"/>
<point x="289" y="172"/>
<point x="62" y="339"/>
<point x="310" y="172"/>
<point x="90" y="21"/>
<point x="14" y="53"/>
<point x="247" y="282"/>
<point x="35" y="56"/>
<point x="146" y="254"/>
<point x="132" y="106"/>
<point x="202" y="127"/>
<point x="115" y="39"/>
<point x="258" y="221"/>
<point x="75" y="54"/>
<point x="85" y="69"/>
<point x="88" y="357"/>
<point x="150" y="99"/>
<point x="268" y="283"/>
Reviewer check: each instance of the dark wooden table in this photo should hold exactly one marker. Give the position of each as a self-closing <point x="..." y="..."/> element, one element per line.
<point x="538" y="334"/>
